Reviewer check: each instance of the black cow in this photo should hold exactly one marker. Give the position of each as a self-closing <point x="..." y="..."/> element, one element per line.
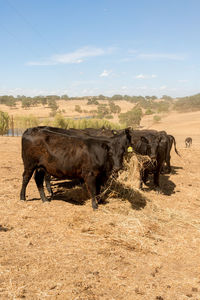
<point x="86" y="132"/>
<point x="65" y="156"/>
<point x="100" y="133"/>
<point x="171" y="141"/>
<point x="157" y="145"/>
<point x="95" y="131"/>
<point x="153" y="144"/>
<point x="188" y="142"/>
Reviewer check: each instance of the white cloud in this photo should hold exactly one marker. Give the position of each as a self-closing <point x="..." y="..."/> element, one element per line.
<point x="105" y="73"/>
<point x="75" y="57"/>
<point x="142" y="76"/>
<point x="163" y="87"/>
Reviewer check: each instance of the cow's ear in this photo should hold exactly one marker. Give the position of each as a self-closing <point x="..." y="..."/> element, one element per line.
<point x="143" y="139"/>
<point x="128" y="133"/>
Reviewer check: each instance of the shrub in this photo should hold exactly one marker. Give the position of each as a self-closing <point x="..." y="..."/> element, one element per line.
<point x="156" y="119"/>
<point x="4" y="122"/>
<point x="149" y="112"/>
<point x="26" y="122"/>
<point x="78" y="108"/>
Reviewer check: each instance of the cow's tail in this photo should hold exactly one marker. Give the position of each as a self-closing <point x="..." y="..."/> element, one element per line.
<point x="174" y="141"/>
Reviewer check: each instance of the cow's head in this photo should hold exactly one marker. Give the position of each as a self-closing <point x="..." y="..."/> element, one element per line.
<point x="118" y="147"/>
<point x="144" y="146"/>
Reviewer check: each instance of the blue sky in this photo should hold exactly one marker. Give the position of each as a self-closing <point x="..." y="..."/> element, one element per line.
<point x="92" y="47"/>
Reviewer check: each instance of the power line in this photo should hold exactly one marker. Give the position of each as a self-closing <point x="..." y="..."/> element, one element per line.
<point x="37" y="32"/>
<point x="19" y="41"/>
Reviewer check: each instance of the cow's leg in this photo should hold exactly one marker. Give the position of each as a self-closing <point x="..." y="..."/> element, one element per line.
<point x="47" y="179"/>
<point x="156" y="180"/>
<point x="26" y="177"/>
<point x="141" y="179"/>
<point x="39" y="179"/>
<point x="168" y="164"/>
<point x="145" y="176"/>
<point x="90" y="182"/>
<point x="100" y="182"/>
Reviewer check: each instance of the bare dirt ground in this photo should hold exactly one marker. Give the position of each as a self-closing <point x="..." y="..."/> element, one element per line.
<point x="140" y="247"/>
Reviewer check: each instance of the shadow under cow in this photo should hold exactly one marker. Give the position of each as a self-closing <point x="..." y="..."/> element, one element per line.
<point x="135" y="197"/>
<point x="174" y="170"/>
<point x="78" y="195"/>
<point x="5" y="229"/>
<point x="167" y="187"/>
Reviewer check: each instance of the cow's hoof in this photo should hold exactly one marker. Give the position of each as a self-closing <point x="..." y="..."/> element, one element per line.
<point x="95" y="207"/>
<point x="46" y="200"/>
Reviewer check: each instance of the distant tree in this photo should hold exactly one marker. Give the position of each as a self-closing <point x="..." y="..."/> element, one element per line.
<point x="26" y="102"/>
<point x="43" y="101"/>
<point x="115" y="109"/>
<point x="191" y="103"/>
<point x="8" y="100"/>
<point x="147" y="97"/>
<point x="92" y="101"/>
<point x="4" y="122"/>
<point x="132" y="117"/>
<point x="64" y="97"/>
<point x="101" y="97"/>
<point x="78" y="108"/>
<point x="102" y="111"/>
<point x="117" y="97"/>
<point x="53" y="105"/>
<point x="127" y="98"/>
<point x="167" y="98"/>
<point x="153" y="97"/>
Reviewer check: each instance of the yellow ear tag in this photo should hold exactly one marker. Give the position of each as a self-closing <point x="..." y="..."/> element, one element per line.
<point x="130" y="149"/>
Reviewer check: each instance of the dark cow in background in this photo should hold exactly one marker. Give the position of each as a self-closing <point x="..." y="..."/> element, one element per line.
<point x="68" y="157"/>
<point x="188" y="142"/>
<point x="153" y="144"/>
<point x="171" y="141"/>
<point x="157" y="145"/>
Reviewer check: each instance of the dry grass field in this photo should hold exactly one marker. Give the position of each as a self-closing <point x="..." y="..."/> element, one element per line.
<point x="139" y="247"/>
<point x="68" y="107"/>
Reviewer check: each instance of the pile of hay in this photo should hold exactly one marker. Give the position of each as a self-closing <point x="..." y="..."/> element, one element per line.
<point x="127" y="184"/>
<point x="133" y="165"/>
